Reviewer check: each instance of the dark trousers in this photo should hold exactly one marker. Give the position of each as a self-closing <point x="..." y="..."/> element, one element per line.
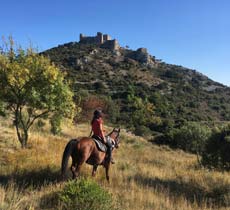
<point x="108" y="144"/>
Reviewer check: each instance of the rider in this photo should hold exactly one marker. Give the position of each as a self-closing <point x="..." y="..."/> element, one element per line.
<point x="98" y="132"/>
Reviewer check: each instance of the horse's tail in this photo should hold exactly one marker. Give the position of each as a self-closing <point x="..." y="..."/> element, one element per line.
<point x="66" y="154"/>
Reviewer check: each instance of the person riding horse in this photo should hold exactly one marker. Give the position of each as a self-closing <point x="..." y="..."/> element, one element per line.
<point x="98" y="133"/>
<point x="84" y="150"/>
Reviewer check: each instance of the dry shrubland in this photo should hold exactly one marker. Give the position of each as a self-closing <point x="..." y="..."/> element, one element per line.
<point x="144" y="177"/>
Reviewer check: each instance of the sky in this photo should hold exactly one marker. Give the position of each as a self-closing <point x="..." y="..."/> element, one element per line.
<point x="191" y="33"/>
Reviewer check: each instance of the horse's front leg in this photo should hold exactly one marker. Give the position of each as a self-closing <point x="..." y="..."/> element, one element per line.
<point x="107" y="166"/>
<point x="94" y="170"/>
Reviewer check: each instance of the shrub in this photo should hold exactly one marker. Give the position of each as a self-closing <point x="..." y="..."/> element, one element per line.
<point x="99" y="87"/>
<point x="39" y="125"/>
<point x="112" y="110"/>
<point x="190" y="137"/>
<point x="163" y="126"/>
<point x="85" y="195"/>
<point x="216" y="152"/>
<point x="142" y="131"/>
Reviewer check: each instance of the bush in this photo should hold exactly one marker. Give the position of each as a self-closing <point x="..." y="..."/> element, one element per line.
<point x="85" y="194"/>
<point x="216" y="152"/>
<point x="190" y="137"/>
<point x="39" y="125"/>
<point x="112" y="109"/>
<point x="99" y="87"/>
<point x="142" y="131"/>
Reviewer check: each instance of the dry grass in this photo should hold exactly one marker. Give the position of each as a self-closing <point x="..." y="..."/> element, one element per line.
<point x="145" y="176"/>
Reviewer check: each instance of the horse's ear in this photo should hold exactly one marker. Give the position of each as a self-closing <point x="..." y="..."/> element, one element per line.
<point x="117" y="130"/>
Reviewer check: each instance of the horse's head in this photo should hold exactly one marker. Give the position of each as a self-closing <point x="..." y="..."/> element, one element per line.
<point x="115" y="135"/>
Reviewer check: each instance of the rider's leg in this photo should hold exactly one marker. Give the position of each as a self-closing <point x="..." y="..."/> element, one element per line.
<point x="109" y="152"/>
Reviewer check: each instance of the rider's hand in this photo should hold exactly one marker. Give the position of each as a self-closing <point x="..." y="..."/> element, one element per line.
<point x="104" y="140"/>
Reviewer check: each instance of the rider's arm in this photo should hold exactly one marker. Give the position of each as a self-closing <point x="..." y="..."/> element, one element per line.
<point x="91" y="132"/>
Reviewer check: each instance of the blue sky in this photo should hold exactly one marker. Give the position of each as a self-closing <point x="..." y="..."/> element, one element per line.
<point x="192" y="33"/>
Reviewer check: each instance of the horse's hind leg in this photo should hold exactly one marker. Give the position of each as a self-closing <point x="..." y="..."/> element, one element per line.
<point x="77" y="169"/>
<point x="73" y="167"/>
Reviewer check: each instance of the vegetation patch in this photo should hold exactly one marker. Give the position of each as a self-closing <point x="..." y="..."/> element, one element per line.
<point x="85" y="194"/>
<point x="216" y="150"/>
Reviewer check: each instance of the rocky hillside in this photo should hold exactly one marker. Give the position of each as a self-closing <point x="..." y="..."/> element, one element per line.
<point x="125" y="76"/>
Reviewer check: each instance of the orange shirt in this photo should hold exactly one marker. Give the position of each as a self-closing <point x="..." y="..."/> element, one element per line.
<point x="96" y="127"/>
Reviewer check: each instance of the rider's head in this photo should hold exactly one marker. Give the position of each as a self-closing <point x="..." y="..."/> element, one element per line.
<point x="97" y="113"/>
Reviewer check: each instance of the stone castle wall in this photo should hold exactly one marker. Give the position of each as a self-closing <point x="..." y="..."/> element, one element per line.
<point x="111" y="44"/>
<point x="101" y="39"/>
<point x="106" y="37"/>
<point x="91" y="39"/>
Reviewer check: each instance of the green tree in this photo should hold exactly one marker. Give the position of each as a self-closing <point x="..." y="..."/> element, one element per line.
<point x="216" y="152"/>
<point x="190" y="137"/>
<point x="142" y="111"/>
<point x="32" y="87"/>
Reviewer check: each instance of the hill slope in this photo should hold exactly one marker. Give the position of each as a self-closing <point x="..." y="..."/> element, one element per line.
<point x="144" y="177"/>
<point x="177" y="93"/>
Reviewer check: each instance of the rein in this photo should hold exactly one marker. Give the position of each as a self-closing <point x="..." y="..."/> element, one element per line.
<point x="116" y="139"/>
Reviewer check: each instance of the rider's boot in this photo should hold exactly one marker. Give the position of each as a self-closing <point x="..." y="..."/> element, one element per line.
<point x="110" y="158"/>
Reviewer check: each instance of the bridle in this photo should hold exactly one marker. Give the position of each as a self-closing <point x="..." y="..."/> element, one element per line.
<point x="116" y="139"/>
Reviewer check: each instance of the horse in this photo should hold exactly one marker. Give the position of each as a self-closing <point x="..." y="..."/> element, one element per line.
<point x="84" y="150"/>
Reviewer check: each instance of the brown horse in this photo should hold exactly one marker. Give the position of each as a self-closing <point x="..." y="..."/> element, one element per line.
<point x="84" y="150"/>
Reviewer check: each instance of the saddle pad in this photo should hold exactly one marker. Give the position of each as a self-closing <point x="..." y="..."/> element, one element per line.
<point x="102" y="147"/>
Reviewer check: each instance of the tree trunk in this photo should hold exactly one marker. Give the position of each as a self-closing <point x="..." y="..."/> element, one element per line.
<point x="22" y="133"/>
<point x="22" y="136"/>
<point x="23" y="125"/>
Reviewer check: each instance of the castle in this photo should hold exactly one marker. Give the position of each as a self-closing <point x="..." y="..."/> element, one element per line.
<point x="104" y="40"/>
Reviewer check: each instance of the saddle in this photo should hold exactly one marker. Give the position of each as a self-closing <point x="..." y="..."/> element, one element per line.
<point x="100" y="146"/>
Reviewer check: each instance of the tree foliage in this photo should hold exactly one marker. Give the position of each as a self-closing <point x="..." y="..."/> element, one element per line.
<point x="141" y="113"/>
<point x="216" y="151"/>
<point x="190" y="137"/>
<point x="32" y="87"/>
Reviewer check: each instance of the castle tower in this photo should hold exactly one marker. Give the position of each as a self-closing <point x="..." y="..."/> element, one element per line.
<point x="81" y="37"/>
<point x="100" y="38"/>
<point x="106" y="37"/>
<point x="115" y="45"/>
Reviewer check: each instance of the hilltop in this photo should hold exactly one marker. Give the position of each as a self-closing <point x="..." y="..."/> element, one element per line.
<point x="131" y="77"/>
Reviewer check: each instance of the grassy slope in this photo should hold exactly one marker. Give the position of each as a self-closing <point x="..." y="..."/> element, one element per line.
<point x="145" y="176"/>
